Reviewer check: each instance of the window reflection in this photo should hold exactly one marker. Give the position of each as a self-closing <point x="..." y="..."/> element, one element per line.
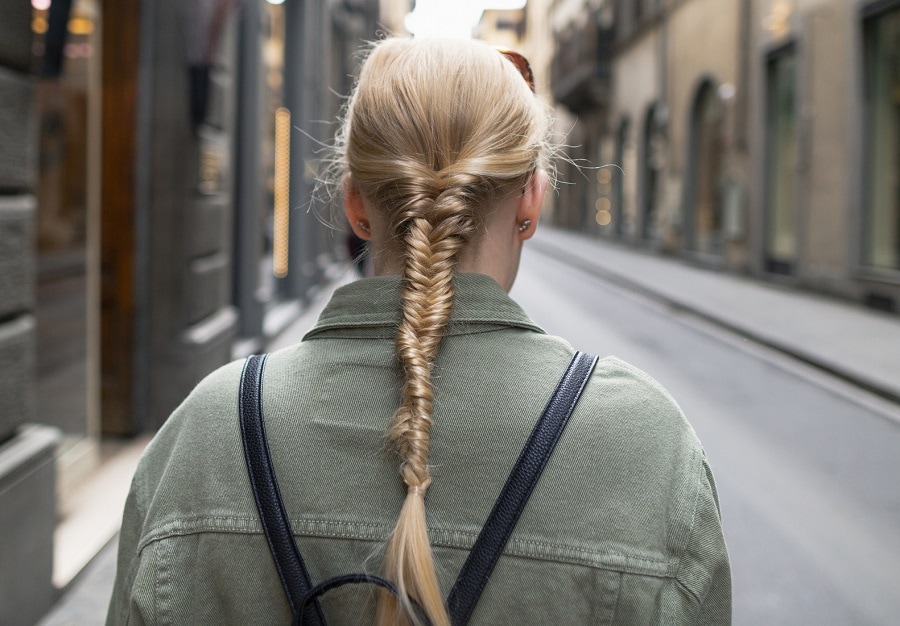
<point x="62" y="103"/>
<point x="883" y="121"/>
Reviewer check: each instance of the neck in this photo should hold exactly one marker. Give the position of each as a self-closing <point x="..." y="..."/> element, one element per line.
<point x="497" y="262"/>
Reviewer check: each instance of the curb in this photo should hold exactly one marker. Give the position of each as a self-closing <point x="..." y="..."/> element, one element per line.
<point x="686" y="306"/>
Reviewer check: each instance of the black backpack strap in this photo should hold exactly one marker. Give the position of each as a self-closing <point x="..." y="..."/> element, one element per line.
<point x="521" y="482"/>
<point x="275" y="522"/>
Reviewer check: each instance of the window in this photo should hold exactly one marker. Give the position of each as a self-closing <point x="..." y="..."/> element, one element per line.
<point x="781" y="162"/>
<point x="882" y="117"/>
<point x="67" y="99"/>
<point x="704" y="194"/>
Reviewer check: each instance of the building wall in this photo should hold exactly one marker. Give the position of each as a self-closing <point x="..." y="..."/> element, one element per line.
<point x="580" y="83"/>
<point x="537" y="43"/>
<point x="190" y="324"/>
<point x="163" y="298"/>
<point x="17" y="219"/>
<point x="636" y="87"/>
<point x="826" y="167"/>
<point x="27" y="472"/>
<point x="877" y="285"/>
<point x="821" y="33"/>
<point x="163" y="283"/>
<point x="702" y="43"/>
<point x="740" y="49"/>
<point x="192" y="297"/>
<point x="537" y="46"/>
<point x="828" y="39"/>
<point x="392" y="15"/>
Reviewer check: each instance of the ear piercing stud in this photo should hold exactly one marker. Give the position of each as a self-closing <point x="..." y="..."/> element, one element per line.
<point x="525" y="226"/>
<point x="363" y="226"/>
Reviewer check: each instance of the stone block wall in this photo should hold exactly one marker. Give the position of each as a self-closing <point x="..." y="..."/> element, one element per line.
<point x="27" y="521"/>
<point x="17" y="219"/>
<point x="27" y="451"/>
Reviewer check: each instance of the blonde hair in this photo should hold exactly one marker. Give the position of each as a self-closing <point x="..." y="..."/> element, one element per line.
<point x="435" y="134"/>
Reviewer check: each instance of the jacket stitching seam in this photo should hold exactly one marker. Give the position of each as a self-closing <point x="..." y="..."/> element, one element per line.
<point x="516" y="547"/>
<point x="156" y="551"/>
<point x="690" y="534"/>
<point x="189" y="525"/>
<point x="618" y="596"/>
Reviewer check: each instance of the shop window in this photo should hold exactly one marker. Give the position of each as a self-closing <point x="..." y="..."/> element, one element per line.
<point x="781" y="162"/>
<point x="275" y="251"/>
<point x="882" y="117"/>
<point x="66" y="59"/>
<point x="704" y="198"/>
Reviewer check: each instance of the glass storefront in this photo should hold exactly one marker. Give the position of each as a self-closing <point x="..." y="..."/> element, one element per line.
<point x="275" y="236"/>
<point x="781" y="162"/>
<point x="66" y="101"/>
<point x="882" y="210"/>
<point x="262" y="195"/>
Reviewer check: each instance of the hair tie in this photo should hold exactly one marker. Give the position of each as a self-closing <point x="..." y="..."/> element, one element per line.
<point x="419" y="489"/>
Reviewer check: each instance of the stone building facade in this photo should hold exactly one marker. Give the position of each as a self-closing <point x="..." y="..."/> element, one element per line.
<point x="27" y="450"/>
<point x="156" y="168"/>
<point x="754" y="136"/>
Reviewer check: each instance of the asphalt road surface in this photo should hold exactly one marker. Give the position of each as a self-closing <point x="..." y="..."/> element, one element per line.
<point x="808" y="468"/>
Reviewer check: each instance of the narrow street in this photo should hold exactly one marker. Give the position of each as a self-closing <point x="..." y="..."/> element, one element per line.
<point x="806" y="465"/>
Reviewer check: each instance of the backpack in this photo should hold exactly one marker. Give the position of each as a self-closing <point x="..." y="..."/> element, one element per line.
<point x="303" y="596"/>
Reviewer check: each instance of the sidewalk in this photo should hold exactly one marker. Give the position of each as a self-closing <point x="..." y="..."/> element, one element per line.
<point x="847" y="340"/>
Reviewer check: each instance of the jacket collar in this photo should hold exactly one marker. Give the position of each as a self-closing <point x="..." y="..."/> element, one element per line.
<point x="373" y="304"/>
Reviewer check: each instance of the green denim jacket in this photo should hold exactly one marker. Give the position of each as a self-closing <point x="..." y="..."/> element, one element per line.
<point x="622" y="528"/>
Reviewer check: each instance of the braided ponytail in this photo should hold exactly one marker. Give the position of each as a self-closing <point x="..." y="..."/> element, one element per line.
<point x="434" y="236"/>
<point x="432" y="152"/>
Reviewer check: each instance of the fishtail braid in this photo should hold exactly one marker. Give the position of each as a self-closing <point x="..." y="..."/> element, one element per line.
<point x="435" y="232"/>
<point x="436" y="135"/>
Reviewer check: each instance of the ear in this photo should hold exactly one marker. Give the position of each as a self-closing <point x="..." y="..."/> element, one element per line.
<point x="355" y="210"/>
<point x="528" y="211"/>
